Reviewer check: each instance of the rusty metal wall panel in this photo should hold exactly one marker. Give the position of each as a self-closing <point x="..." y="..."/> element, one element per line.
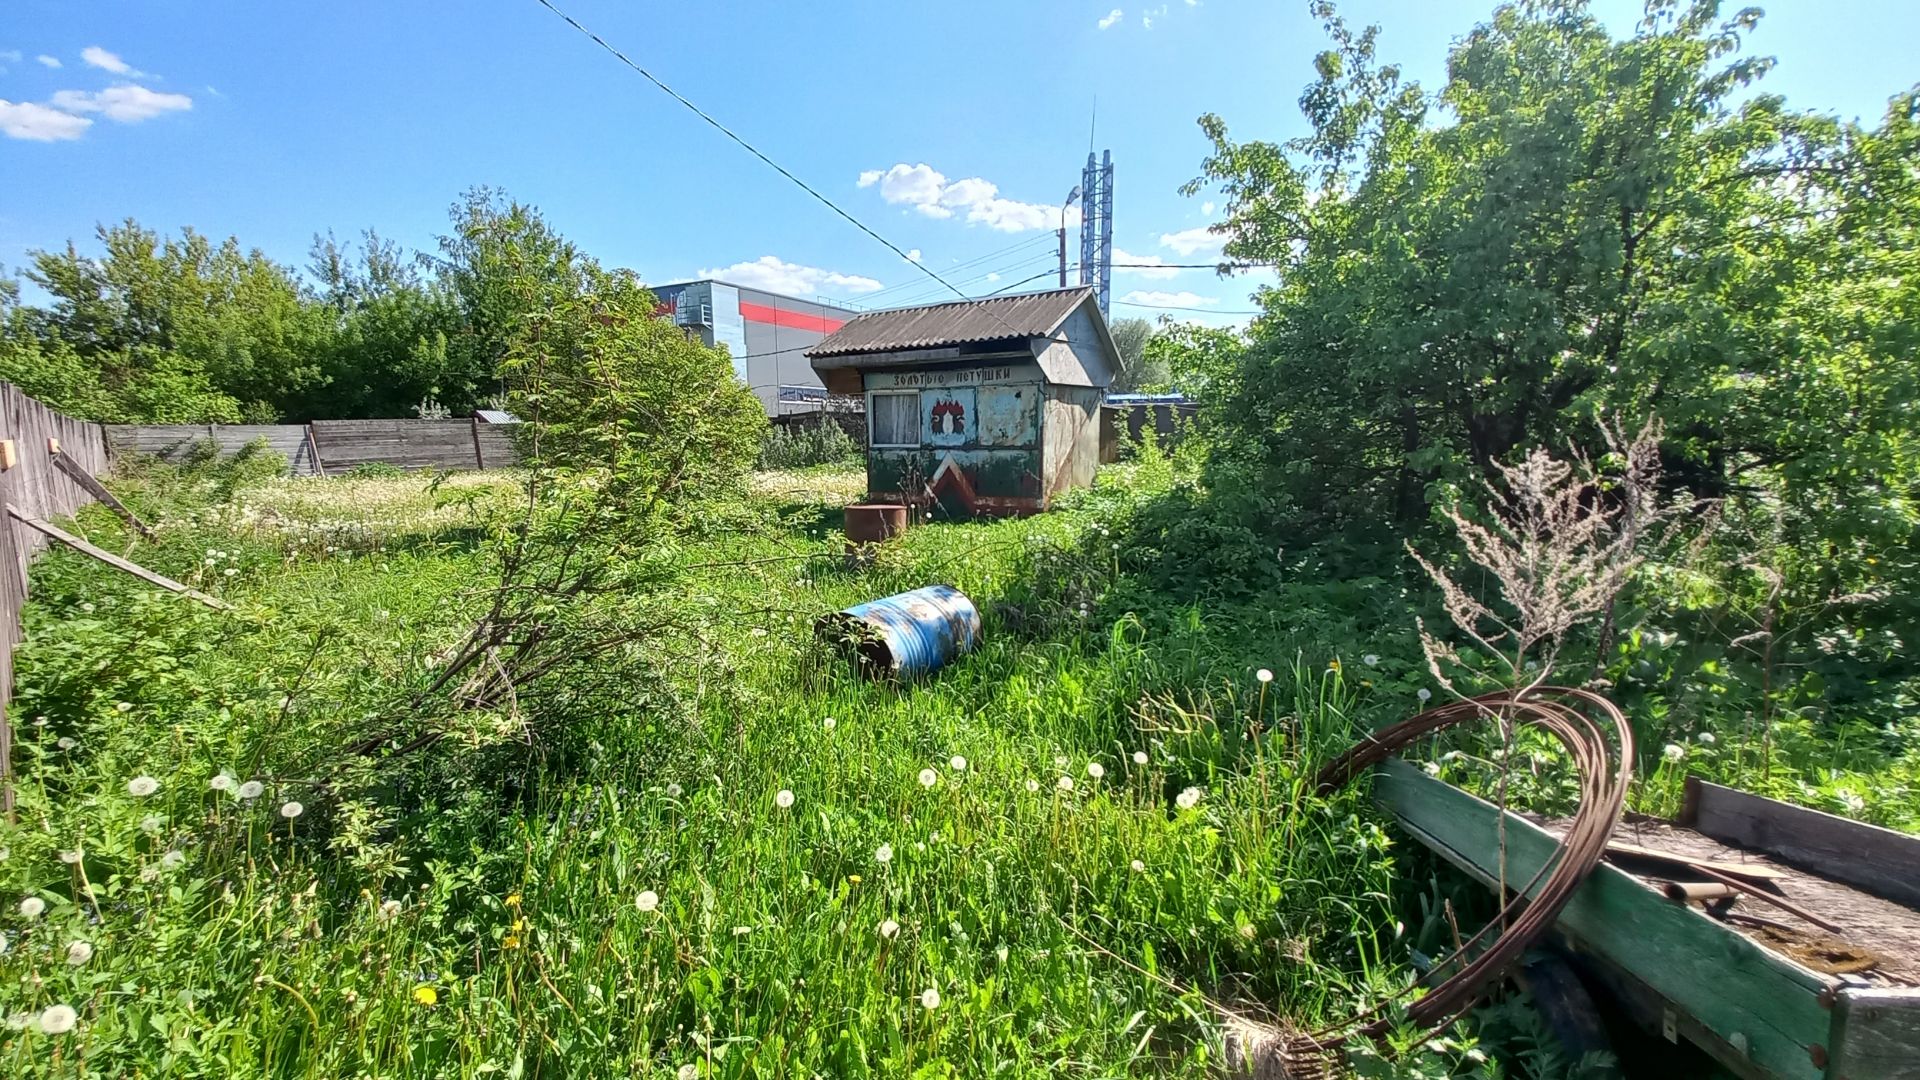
<point x="1009" y="415"/>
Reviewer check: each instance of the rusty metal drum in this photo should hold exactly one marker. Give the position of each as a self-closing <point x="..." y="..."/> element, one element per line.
<point x="906" y="635"/>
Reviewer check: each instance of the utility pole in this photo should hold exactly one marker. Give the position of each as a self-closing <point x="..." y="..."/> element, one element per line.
<point x="1071" y="196"/>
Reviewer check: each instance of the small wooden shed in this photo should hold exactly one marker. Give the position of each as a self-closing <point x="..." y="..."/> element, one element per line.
<point x="983" y="407"/>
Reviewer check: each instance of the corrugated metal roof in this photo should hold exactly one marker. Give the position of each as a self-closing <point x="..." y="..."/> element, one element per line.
<point x="496" y="416"/>
<point x="959" y="322"/>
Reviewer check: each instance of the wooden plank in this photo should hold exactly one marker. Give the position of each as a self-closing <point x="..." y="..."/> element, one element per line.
<point x="100" y="494"/>
<point x="1876" y="1033"/>
<point x="1720" y="978"/>
<point x="1868" y="857"/>
<point x="111" y="559"/>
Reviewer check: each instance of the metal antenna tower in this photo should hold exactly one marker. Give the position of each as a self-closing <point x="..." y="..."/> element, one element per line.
<point x="1096" y="225"/>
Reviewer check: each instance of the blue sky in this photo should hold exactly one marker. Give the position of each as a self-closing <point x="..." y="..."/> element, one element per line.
<point x="953" y="130"/>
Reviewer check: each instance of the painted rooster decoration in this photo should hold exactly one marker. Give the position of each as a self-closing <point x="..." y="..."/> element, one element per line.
<point x="949" y="411"/>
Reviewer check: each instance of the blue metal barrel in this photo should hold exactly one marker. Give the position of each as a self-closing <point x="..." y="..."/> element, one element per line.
<point x="907" y="634"/>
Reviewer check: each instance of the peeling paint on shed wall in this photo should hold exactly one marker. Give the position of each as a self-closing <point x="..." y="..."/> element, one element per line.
<point x="980" y="435"/>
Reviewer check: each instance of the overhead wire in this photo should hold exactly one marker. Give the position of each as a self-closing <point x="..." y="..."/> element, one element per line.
<point x="747" y="146"/>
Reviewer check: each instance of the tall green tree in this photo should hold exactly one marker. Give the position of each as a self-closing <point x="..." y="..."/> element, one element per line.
<point x="1573" y="223"/>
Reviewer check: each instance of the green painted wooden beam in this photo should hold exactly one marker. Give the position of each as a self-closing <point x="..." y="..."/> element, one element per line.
<point x="1744" y="993"/>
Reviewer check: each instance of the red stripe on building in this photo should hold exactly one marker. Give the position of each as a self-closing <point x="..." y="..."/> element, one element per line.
<point x="792" y="320"/>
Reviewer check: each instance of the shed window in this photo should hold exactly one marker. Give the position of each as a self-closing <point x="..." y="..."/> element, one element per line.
<point x="896" y="418"/>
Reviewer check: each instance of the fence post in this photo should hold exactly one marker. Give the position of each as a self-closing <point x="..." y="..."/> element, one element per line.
<point x="479" y="459"/>
<point x="313" y="451"/>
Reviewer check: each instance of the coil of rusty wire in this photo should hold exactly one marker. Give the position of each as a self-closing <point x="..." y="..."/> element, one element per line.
<point x="1605" y="768"/>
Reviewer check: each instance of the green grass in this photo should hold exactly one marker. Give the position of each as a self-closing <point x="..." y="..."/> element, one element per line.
<point x="479" y="914"/>
<point x="296" y="946"/>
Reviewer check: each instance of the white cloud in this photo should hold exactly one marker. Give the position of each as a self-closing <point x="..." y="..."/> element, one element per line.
<point x="95" y="56"/>
<point x="1155" y="298"/>
<point x="1113" y="17"/>
<point x="1207" y="208"/>
<point x="48" y="61"/>
<point x="928" y="191"/>
<point x="773" y="275"/>
<point x="27" y="120"/>
<point x="992" y="276"/>
<point x="1200" y="240"/>
<point x="126" y="104"/>
<point x="913" y="254"/>
<point x="10" y="56"/>
<point x="1146" y="266"/>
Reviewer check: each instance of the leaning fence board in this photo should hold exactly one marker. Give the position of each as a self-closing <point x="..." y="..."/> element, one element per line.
<point x="1880" y="861"/>
<point x="1722" y="979"/>
<point x="111" y="559"/>
<point x="100" y="494"/>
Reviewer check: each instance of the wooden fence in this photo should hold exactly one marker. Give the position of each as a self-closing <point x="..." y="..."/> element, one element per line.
<point x="32" y="485"/>
<point x="331" y="447"/>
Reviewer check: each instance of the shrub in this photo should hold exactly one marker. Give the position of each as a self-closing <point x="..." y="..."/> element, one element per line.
<point x="823" y="443"/>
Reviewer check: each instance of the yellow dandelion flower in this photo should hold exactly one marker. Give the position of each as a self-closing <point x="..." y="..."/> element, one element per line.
<point x="1333" y="665"/>
<point x="511" y="941"/>
<point x="513" y="900"/>
<point x="853" y="878"/>
<point x="426" y="995"/>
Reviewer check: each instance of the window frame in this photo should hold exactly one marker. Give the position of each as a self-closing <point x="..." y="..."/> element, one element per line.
<point x="873" y="413"/>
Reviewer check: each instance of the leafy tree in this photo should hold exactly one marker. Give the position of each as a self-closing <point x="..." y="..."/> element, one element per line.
<point x="392" y="328"/>
<point x="1573" y="224"/>
<point x="1137" y="371"/>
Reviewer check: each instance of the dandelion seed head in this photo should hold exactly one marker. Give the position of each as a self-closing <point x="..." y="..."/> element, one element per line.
<point x="829" y="723"/>
<point x="389" y="910"/>
<point x="291" y="810"/>
<point x="222" y="782"/>
<point x="67" y="742"/>
<point x="123" y="706"/>
<point x="674" y="790"/>
<point x="1096" y="770"/>
<point x="687" y="1072"/>
<point x="78" y="953"/>
<point x="1065" y="783"/>
<point x="151" y="825"/>
<point x="1187" y="799"/>
<point x="928" y="778"/>
<point x="1032" y="784"/>
<point x="1060" y="761"/>
<point x="142" y="786"/>
<point x="783" y="799"/>
<point x="1139" y="757"/>
<point x="929" y="999"/>
<point x="1371" y="660"/>
<point x="252" y="789"/>
<point x="71" y="858"/>
<point x="1706" y="738"/>
<point x="174" y="860"/>
<point x="58" y="1019"/>
<point x="1264" y="675"/>
<point x="883" y="854"/>
<point x="1138" y="866"/>
<point x="31" y="907"/>
<point x="957" y="763"/>
<point x="648" y="900"/>
<point x="1673" y="752"/>
<point x="1425" y="695"/>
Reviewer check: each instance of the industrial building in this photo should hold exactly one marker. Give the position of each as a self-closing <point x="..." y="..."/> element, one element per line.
<point x="767" y="333"/>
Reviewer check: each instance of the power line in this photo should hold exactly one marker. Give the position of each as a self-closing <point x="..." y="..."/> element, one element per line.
<point x="1028" y="242"/>
<point x="745" y="145"/>
<point x="1176" y="307"/>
